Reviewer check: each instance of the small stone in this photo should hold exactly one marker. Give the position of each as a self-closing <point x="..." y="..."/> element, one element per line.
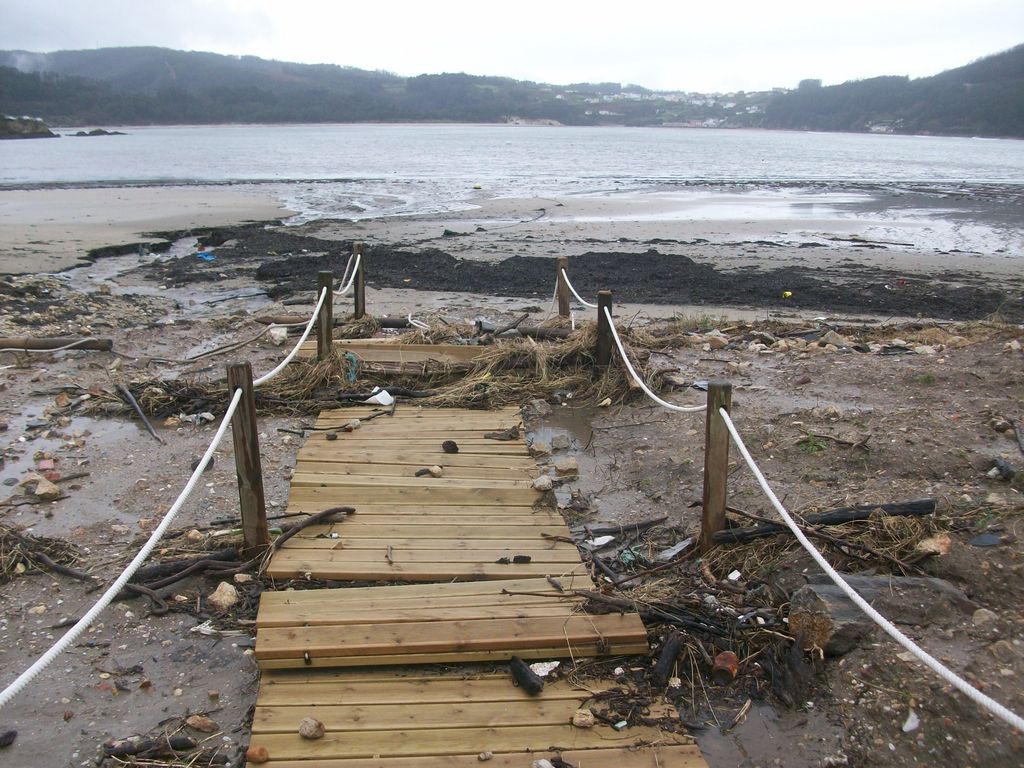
<point x="999" y="424"/>
<point x="311" y="728"/>
<point x="450" y="446"/>
<point x="194" y="536"/>
<point x="242" y="578"/>
<point x="202" y="723"/>
<point x="257" y="755"/>
<point x="984" y="616"/>
<point x="543" y="483"/>
<point x="717" y="342"/>
<point x="331" y="435"/>
<point x="37" y="610"/>
<point x="539" y="448"/>
<point x="181" y="598"/>
<point x="583" y="718"/>
<point x="45" y="490"/>
<point x="213" y="695"/>
<point x="436" y="471"/>
<point x="996" y="500"/>
<point x="120" y="530"/>
<point x="278" y="335"/>
<point x="833" y="338"/>
<point x="567" y="466"/>
<point x="925" y="349"/>
<point x="1004" y="651"/>
<point x="560" y="442"/>
<point x="223" y="597"/>
<point x="483" y="757"/>
<point x="912" y="723"/>
<point x="1012" y="346"/>
<point x="178" y="692"/>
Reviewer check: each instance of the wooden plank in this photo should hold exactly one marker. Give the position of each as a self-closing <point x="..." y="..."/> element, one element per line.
<point x="564" y="651"/>
<point x="446" y="636"/>
<point x="427" y="496"/>
<point x="660" y="756"/>
<point x="427" y="444"/>
<point x="466" y="741"/>
<point x="343" y="467"/>
<point x="525" y="541"/>
<point x="329" y="451"/>
<point x="283" y="567"/>
<point x="327" y="687"/>
<point x="324" y="615"/>
<point x="405" y="555"/>
<point x="439" y="517"/>
<point x="324" y="480"/>
<point x="335" y="558"/>
<point x="353" y="529"/>
<point x="388" y="717"/>
<point x="411" y="592"/>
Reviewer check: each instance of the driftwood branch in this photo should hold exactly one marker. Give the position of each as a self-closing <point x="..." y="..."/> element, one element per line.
<point x="916" y="508"/>
<point x="612" y="530"/>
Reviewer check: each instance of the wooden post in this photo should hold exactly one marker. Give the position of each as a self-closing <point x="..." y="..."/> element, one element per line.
<point x="563" y="286"/>
<point x="604" y="333"/>
<point x="716" y="462"/>
<point x="325" y="321"/>
<point x="245" y="436"/>
<point x="360" y="283"/>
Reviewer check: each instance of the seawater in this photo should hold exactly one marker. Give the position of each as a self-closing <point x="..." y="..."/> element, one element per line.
<point x="358" y="171"/>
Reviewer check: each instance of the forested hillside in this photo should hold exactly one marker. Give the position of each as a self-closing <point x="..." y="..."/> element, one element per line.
<point x="146" y="85"/>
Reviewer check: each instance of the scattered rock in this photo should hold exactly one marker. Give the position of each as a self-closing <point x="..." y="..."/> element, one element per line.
<point x="242" y="578"/>
<point x="999" y="424"/>
<point x="223" y="597"/>
<point x="332" y="435"/>
<point x="202" y="723"/>
<point x="7" y="738"/>
<point x="311" y="728"/>
<point x="278" y="335"/>
<point x="539" y="448"/>
<point x="1012" y="346"/>
<point x="984" y="616"/>
<point x="44" y="489"/>
<point x="450" y="446"/>
<point x="536" y="409"/>
<point x="939" y="544"/>
<point x="543" y="483"/>
<point x="483" y="757"/>
<point x="912" y="723"/>
<point x="257" y="755"/>
<point x="925" y="349"/>
<point x="436" y="471"/>
<point x="833" y="338"/>
<point x="194" y="536"/>
<point x="560" y="442"/>
<point x="567" y="466"/>
<point x="1004" y="652"/>
<point x="583" y="718"/>
<point x="717" y="342"/>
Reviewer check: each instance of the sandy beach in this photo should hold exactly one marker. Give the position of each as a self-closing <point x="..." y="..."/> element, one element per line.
<point x="50" y="230"/>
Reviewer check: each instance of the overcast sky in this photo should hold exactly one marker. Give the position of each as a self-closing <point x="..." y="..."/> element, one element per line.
<point x="697" y="45"/>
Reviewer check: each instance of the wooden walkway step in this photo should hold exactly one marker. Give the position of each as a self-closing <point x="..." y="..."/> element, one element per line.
<point x="415" y="624"/>
<point x="480" y="520"/>
<point x="394" y="721"/>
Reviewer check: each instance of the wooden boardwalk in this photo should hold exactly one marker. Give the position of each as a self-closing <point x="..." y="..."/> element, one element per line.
<point x="478" y="553"/>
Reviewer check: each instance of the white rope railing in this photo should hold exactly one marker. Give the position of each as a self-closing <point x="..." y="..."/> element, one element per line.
<point x="640" y="382"/>
<point x="347" y="280"/>
<point x="114" y="589"/>
<point x="295" y="350"/>
<point x="119" y="583"/>
<point x="580" y="299"/>
<point x="890" y="629"/>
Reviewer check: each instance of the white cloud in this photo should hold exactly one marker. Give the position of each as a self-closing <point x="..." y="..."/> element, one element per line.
<point x="698" y="46"/>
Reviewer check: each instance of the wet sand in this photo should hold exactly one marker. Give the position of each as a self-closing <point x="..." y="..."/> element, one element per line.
<point x="50" y="230"/>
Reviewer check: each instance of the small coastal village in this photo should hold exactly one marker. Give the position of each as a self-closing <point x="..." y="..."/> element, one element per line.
<point x="629" y="478"/>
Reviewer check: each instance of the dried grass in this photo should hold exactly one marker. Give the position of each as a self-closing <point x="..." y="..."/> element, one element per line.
<point x="21" y="552"/>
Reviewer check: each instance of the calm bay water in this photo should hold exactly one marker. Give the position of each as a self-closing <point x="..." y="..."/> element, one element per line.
<point x="359" y="170"/>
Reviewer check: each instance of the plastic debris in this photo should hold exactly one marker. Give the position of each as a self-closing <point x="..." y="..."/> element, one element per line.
<point x="545" y="668"/>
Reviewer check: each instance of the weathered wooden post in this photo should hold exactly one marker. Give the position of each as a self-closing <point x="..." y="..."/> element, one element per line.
<point x="360" y="282"/>
<point x="245" y="435"/>
<point x="716" y="461"/>
<point x="604" y="331"/>
<point x="325" y="320"/>
<point x="563" y="286"/>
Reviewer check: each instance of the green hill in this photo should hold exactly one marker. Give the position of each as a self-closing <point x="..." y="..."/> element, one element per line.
<point x="984" y="98"/>
<point x="147" y="85"/>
